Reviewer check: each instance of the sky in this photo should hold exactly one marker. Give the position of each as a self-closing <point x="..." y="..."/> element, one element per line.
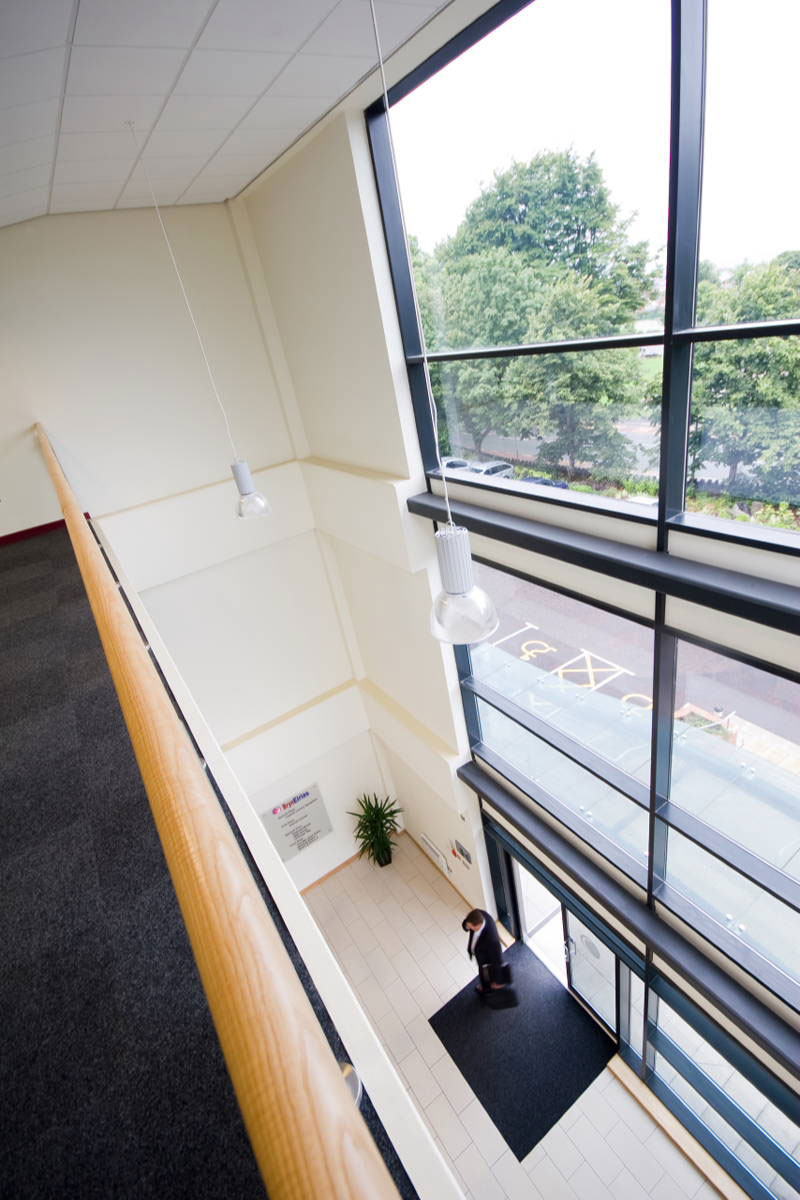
<point x="594" y="76"/>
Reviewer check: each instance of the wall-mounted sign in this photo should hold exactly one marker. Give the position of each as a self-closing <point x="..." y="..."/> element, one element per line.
<point x="297" y="823"/>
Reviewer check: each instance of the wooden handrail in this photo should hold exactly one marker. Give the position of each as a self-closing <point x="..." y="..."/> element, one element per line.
<point x="308" y="1137"/>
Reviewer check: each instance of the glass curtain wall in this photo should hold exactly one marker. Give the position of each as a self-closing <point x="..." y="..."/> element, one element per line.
<point x="595" y="344"/>
<point x="577" y="300"/>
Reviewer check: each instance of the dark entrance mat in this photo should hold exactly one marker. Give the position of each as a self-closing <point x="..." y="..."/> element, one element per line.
<point x="526" y="1065"/>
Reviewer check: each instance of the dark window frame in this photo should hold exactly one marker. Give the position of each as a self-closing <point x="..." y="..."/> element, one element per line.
<point x="680" y="334"/>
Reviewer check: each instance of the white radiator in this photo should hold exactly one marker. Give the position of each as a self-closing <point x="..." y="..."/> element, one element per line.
<point x="434" y="852"/>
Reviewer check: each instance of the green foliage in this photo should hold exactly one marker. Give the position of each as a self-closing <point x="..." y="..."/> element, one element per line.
<point x="556" y="213"/>
<point x="376" y="821"/>
<point x="574" y="400"/>
<point x="746" y="393"/>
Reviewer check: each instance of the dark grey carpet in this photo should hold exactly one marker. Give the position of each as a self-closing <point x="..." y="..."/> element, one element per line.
<point x="112" y="1083"/>
<point x="526" y="1065"/>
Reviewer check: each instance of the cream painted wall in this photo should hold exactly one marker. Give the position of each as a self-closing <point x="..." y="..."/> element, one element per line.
<point x="309" y="229"/>
<point x="96" y="343"/>
<point x="342" y="774"/>
<point x="423" y="813"/>
<point x="166" y="539"/>
<point x="254" y="637"/>
<point x="390" y="609"/>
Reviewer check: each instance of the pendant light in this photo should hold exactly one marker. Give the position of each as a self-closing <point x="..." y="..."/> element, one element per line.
<point x="251" y="503"/>
<point x="462" y="612"/>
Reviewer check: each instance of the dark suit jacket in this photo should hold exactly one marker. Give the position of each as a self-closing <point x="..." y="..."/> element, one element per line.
<point x="487" y="947"/>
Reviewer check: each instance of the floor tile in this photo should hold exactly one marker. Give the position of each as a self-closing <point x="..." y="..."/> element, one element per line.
<point x="562" y="1150"/>
<point x="479" y="1176"/>
<point x="594" y="1148"/>
<point x="676" y="1164"/>
<point x="587" y="1184"/>
<point x="445" y="1121"/>
<point x="549" y="1180"/>
<point x="420" y="1078"/>
<point x="514" y="1179"/>
<point x="425" y="1040"/>
<point x="483" y="1131"/>
<point x="644" y="1166"/>
<point x="452" y="1082"/>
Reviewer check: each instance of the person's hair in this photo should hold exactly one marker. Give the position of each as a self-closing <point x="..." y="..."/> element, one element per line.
<point x="475" y="917"/>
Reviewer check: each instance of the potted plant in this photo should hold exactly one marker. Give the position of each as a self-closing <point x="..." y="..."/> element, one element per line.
<point x="376" y="821"/>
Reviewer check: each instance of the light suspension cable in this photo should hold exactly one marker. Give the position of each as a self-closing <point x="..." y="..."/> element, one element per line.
<point x="462" y="612"/>
<point x="251" y="502"/>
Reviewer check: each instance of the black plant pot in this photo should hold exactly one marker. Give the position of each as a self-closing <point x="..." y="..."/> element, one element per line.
<point x="383" y="858"/>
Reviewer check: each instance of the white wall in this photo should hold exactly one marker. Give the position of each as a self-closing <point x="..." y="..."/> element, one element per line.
<point x="254" y="637"/>
<point x="313" y="244"/>
<point x="95" y="343"/>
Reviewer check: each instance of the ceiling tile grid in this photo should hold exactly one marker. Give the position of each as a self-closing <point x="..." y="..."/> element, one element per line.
<point x="216" y="90"/>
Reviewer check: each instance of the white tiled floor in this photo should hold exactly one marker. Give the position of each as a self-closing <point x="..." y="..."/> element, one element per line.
<point x="397" y="933"/>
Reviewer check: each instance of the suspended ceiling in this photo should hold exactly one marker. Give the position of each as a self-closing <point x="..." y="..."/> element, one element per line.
<point x="216" y="91"/>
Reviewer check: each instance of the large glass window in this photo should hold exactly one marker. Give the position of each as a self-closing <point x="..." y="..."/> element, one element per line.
<point x="761" y="1136"/>
<point x="580" y="422"/>
<point x="736" y="753"/>
<point x="531" y="221"/>
<point x="583" y="671"/>
<point x="749" y="238"/>
<point x="550" y="774"/>
<point x="735" y="903"/>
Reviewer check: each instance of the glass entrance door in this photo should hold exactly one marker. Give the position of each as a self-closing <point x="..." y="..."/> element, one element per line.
<point x="591" y="969"/>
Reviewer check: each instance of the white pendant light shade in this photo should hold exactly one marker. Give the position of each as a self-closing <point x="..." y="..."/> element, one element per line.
<point x="251" y="503"/>
<point x="462" y="612"/>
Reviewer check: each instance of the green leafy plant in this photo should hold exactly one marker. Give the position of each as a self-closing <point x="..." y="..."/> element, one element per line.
<point x="376" y="821"/>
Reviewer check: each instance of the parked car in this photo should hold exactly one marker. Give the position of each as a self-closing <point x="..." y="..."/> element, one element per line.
<point x="454" y="464"/>
<point x="559" y="483"/>
<point x="491" y="470"/>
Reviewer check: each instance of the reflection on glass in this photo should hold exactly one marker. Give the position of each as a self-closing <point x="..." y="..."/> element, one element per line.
<point x="736" y="753"/>
<point x="744" y="909"/>
<point x="530" y="218"/>
<point x="580" y="423"/>
<point x="771" y="1119"/>
<point x="600" y="806"/>
<point x="744" y="433"/>
<point x="749" y="216"/>
<point x="584" y="671"/>
<point x="592" y="970"/>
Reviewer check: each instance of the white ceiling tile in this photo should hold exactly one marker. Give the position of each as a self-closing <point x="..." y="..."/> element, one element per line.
<point x="28" y="121"/>
<point x="229" y="165"/>
<point x="110" y="170"/>
<point x="260" y="25"/>
<point x="88" y="147"/>
<point x="228" y="73"/>
<point x="204" y="112"/>
<point x="18" y="156"/>
<point x="258" y="143"/>
<point x="101" y="114"/>
<point x="23" y="181"/>
<point x="348" y="29"/>
<point x="186" y="142"/>
<point x="164" y="170"/>
<point x="143" y="23"/>
<point x="136" y="196"/>
<point x="75" y="197"/>
<point x="27" y="25"/>
<point x="211" y="191"/>
<point x="31" y="77"/>
<point x="24" y="205"/>
<point x="122" y="71"/>
<point x="317" y="75"/>
<point x="285" y="112"/>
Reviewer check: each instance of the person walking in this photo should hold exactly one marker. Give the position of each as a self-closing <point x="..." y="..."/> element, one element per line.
<point x="484" y="944"/>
